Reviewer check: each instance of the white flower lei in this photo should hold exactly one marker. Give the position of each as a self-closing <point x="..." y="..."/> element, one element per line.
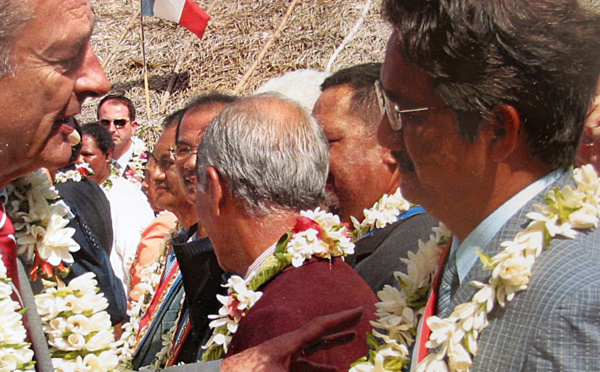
<point x="457" y="335"/>
<point x="81" y="171"/>
<point x="77" y="327"/>
<point x="137" y="162"/>
<point x="384" y="212"/>
<point x="15" y="353"/>
<point x="149" y="281"/>
<point x="40" y="220"/>
<point x="317" y="233"/>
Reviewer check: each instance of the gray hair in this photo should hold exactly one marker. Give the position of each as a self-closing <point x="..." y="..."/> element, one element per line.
<point x="13" y="16"/>
<point x="271" y="153"/>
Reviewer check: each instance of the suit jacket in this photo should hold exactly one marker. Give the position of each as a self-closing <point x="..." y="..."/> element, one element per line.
<point x="298" y="295"/>
<point x="554" y="325"/>
<point x="92" y="204"/>
<point x="202" y="281"/>
<point x="377" y="256"/>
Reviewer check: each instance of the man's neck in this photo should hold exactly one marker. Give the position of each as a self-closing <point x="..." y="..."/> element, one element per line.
<point x="257" y="234"/>
<point x="118" y="154"/>
<point x="465" y="215"/>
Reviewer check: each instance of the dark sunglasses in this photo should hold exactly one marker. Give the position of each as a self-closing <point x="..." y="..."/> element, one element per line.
<point x="119" y="123"/>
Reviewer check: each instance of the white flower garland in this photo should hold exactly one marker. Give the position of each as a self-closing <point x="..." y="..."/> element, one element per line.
<point x="137" y="162"/>
<point x="15" y="353"/>
<point x="384" y="212"/>
<point x="80" y="172"/>
<point x="456" y="336"/>
<point x="317" y="233"/>
<point x="77" y="327"/>
<point x="40" y="219"/>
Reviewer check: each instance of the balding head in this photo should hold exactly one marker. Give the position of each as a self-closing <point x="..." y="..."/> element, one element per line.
<point x="270" y="152"/>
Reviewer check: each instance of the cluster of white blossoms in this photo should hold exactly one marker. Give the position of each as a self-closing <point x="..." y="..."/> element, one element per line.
<point x="137" y="162"/>
<point x="238" y="301"/>
<point x="40" y="219"/>
<point x="384" y="212"/>
<point x="316" y="233"/>
<point x="325" y="237"/>
<point x="399" y="310"/>
<point x="566" y="210"/>
<point x="78" y="329"/>
<point x="80" y="172"/>
<point x="15" y="353"/>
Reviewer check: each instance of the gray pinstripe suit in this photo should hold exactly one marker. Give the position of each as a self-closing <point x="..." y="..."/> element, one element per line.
<point x="554" y="325"/>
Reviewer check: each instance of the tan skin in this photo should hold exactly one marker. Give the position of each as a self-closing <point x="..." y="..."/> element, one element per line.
<point x="191" y="130"/>
<point x="99" y="162"/>
<point x="360" y="169"/>
<point x="458" y="182"/>
<point x="55" y="71"/>
<point x="169" y="194"/>
<point x="112" y="110"/>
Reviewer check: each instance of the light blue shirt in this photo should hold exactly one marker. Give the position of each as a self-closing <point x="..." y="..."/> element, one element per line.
<point x="465" y="253"/>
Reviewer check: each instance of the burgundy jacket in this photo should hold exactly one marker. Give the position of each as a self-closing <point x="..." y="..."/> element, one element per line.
<point x="298" y="295"/>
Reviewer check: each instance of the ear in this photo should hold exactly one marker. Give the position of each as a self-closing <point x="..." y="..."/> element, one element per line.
<point x="134" y="127"/>
<point x="388" y="159"/>
<point x="505" y="132"/>
<point x="217" y="190"/>
<point x="109" y="153"/>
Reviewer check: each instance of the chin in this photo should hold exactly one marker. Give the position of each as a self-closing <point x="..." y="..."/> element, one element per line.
<point x="56" y="159"/>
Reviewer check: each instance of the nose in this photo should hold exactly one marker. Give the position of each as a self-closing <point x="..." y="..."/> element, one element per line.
<point x="91" y="80"/>
<point x="79" y="159"/>
<point x="190" y="163"/>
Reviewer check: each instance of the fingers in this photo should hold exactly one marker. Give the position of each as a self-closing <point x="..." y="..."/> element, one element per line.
<point x="329" y="342"/>
<point x="315" y="331"/>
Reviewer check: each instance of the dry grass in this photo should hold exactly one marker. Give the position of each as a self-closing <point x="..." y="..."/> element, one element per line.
<point x="236" y="33"/>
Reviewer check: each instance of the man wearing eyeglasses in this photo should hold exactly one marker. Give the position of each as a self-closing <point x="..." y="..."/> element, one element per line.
<point x="484" y="104"/>
<point x="117" y="114"/>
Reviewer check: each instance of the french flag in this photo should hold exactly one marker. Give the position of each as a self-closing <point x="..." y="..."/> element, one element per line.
<point x="185" y="12"/>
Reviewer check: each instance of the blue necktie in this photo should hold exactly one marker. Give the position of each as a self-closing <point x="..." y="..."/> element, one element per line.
<point x="448" y="286"/>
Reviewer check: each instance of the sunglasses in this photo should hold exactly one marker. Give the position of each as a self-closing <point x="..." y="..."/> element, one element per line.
<point x="119" y="123"/>
<point x="394" y="114"/>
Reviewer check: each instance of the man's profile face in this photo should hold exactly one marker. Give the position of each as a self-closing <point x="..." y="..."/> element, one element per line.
<point x="191" y="130"/>
<point x="360" y="170"/>
<point x="439" y="169"/>
<point x="55" y="70"/>
<point x="114" y="116"/>
<point x="168" y="192"/>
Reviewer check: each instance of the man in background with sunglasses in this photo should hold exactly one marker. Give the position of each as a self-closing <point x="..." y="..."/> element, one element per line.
<point x="117" y="114"/>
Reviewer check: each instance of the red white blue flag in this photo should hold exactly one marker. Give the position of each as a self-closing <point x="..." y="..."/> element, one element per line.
<point x="185" y="12"/>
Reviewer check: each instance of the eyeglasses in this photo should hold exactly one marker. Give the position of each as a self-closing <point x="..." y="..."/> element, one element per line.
<point x="182" y="152"/>
<point x="119" y="123"/>
<point x="163" y="162"/>
<point x="394" y="114"/>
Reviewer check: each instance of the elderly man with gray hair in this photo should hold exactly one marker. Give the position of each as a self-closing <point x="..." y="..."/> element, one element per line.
<point x="262" y="167"/>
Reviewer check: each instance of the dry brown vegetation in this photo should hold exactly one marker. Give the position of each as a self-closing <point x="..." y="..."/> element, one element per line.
<point x="235" y="35"/>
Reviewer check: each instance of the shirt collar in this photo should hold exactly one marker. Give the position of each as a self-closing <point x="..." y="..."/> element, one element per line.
<point x="124" y="159"/>
<point x="465" y="253"/>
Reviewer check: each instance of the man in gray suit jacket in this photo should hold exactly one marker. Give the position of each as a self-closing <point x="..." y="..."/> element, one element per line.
<point x="484" y="103"/>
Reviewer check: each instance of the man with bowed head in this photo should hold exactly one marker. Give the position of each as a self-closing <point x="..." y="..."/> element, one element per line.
<point x="261" y="162"/>
<point x="364" y="177"/>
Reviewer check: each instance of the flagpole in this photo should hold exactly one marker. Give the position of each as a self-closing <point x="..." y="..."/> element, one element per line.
<point x="148" y="114"/>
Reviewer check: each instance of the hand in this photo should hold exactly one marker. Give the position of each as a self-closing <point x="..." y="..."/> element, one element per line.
<point x="286" y="351"/>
